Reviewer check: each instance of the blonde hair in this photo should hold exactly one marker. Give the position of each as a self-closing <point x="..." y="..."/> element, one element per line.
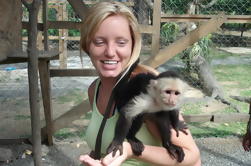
<point x="98" y="13"/>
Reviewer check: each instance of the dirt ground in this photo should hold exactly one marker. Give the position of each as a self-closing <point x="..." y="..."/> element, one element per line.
<point x="15" y="123"/>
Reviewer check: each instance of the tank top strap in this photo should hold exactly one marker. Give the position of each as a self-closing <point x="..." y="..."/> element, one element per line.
<point x="94" y="105"/>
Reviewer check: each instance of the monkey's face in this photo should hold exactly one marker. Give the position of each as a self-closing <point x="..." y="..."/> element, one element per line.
<point x="168" y="92"/>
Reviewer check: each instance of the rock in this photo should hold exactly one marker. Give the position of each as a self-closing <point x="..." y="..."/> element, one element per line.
<point x="6" y="154"/>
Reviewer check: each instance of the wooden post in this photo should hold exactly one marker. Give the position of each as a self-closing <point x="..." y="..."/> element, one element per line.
<point x="45" y="24"/>
<point x="156" y="26"/>
<point x="63" y="34"/>
<point x="39" y="33"/>
<point x="44" y="73"/>
<point x="33" y="80"/>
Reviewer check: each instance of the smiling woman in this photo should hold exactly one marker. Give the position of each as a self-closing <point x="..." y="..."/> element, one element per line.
<point x="110" y="36"/>
<point x="110" y="50"/>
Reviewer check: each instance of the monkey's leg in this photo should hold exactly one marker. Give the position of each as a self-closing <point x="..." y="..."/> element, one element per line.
<point x="176" y="123"/>
<point x="164" y="126"/>
<point x="121" y="129"/>
<point x="136" y="144"/>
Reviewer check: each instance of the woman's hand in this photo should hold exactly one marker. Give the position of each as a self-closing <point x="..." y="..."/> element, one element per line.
<point x="108" y="160"/>
<point x="88" y="161"/>
<point x="118" y="159"/>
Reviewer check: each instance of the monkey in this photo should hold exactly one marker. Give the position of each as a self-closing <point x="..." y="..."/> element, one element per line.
<point x="153" y="97"/>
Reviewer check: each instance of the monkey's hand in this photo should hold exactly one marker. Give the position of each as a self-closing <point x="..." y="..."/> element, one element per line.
<point x="136" y="145"/>
<point x="182" y="126"/>
<point x="175" y="152"/>
<point x="114" y="147"/>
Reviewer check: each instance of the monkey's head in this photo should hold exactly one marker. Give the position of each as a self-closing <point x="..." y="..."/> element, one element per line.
<point x="167" y="92"/>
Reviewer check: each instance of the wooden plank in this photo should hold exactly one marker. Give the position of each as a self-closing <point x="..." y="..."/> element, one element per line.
<point x="156" y="27"/>
<point x="66" y="119"/>
<point x="198" y="118"/>
<point x="62" y="37"/>
<point x="173" y="49"/>
<point x="198" y="18"/>
<point x="217" y="118"/>
<point x="45" y="25"/>
<point x="77" y="25"/>
<point x="231" y="117"/>
<point x="130" y="3"/>
<point x="72" y="72"/>
<point x="14" y="141"/>
<point x="79" y="8"/>
<point x="19" y="57"/>
<point x="44" y="74"/>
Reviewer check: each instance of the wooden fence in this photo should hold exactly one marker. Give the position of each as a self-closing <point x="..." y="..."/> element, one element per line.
<point x="210" y="24"/>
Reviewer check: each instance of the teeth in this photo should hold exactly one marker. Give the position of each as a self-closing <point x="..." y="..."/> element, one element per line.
<point x="110" y="62"/>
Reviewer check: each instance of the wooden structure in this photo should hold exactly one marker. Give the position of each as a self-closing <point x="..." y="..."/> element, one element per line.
<point x="210" y="24"/>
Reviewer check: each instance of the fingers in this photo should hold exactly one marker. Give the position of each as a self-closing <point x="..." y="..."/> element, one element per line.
<point x="110" y="158"/>
<point x="88" y="161"/>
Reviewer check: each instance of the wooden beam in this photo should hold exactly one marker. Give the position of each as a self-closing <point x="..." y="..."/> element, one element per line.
<point x="218" y="118"/>
<point x="72" y="72"/>
<point x="198" y="18"/>
<point x="173" y="49"/>
<point x="66" y="119"/>
<point x="19" y="57"/>
<point x="44" y="74"/>
<point x="79" y="8"/>
<point x="231" y="117"/>
<point x="156" y="27"/>
<point x="77" y="25"/>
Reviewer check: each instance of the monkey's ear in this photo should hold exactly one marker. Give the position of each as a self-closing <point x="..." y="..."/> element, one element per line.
<point x="153" y="83"/>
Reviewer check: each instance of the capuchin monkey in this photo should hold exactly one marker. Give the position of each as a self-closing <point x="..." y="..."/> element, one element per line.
<point x="146" y="96"/>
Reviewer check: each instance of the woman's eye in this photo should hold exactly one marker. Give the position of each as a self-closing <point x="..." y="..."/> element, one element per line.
<point x="122" y="42"/>
<point x="98" y="42"/>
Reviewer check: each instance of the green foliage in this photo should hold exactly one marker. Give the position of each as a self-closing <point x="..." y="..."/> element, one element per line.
<point x="169" y="32"/>
<point x="74" y="32"/>
<point x="202" y="48"/>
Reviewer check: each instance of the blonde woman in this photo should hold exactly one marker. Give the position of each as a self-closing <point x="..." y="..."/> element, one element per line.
<point x="111" y="38"/>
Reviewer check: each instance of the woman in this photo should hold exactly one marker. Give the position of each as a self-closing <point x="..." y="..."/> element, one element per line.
<point x="111" y="38"/>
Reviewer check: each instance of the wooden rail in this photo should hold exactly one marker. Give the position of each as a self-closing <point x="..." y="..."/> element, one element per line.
<point x="198" y="18"/>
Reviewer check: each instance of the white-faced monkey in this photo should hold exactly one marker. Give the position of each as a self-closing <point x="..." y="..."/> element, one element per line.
<point x="147" y="95"/>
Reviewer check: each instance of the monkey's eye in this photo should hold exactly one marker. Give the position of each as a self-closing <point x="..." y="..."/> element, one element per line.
<point x="168" y="91"/>
<point x="177" y="92"/>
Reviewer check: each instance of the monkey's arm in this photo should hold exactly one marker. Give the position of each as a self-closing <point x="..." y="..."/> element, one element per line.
<point x="177" y="124"/>
<point x="121" y="130"/>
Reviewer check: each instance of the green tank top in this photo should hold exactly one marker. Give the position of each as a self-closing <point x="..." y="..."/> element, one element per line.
<point x="108" y="133"/>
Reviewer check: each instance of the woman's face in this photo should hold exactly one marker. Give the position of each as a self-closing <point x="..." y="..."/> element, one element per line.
<point x="111" y="47"/>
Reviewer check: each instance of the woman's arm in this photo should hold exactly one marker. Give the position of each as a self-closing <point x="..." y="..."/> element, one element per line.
<point x="158" y="155"/>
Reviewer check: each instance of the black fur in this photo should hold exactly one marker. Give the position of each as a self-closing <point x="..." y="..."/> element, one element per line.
<point x="127" y="128"/>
